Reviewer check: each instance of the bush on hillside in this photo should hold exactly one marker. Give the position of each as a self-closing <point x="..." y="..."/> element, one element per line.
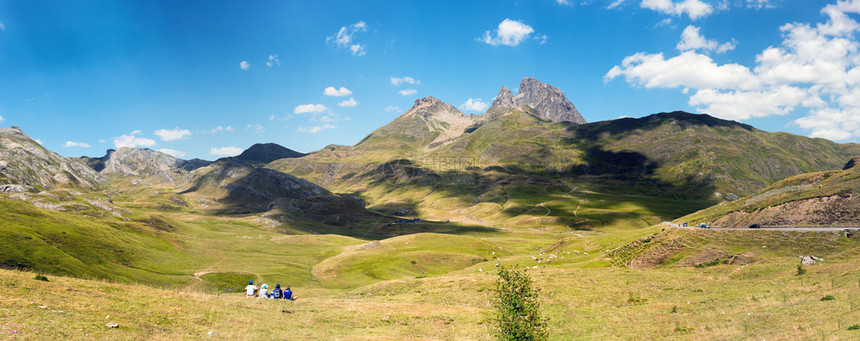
<point x="518" y="308"/>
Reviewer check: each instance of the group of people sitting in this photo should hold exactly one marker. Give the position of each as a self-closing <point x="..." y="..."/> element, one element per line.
<point x="263" y="292"/>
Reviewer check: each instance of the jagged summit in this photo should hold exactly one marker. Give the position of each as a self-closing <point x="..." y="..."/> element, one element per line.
<point x="23" y="161"/>
<point x="546" y="99"/>
<point x="505" y="99"/>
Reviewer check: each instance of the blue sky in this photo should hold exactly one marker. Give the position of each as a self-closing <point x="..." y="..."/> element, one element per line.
<point x="209" y="78"/>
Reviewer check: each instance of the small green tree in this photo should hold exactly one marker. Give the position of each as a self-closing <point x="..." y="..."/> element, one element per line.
<point x="518" y="308"/>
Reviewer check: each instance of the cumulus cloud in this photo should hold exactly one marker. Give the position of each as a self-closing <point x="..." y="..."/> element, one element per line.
<point x="689" y="69"/>
<point x="172" y="134"/>
<point x="345" y="38"/>
<point x="76" y="144"/>
<point x="510" y="33"/>
<point x="404" y="80"/>
<point x="813" y="71"/>
<point x="225" y="151"/>
<point x="331" y="91"/>
<point x="407" y="92"/>
<point x="351" y="102"/>
<point x="244" y="65"/>
<point x="759" y="4"/>
<point x="695" y="9"/>
<point x="132" y="140"/>
<point x="1" y="118"/>
<point x="692" y="40"/>
<point x="273" y="61"/>
<point x="309" y="108"/>
<point x="173" y="152"/>
<point x="474" y="104"/>
<point x="316" y="129"/>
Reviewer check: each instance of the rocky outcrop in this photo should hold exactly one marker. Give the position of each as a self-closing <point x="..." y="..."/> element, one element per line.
<point x="263" y="153"/>
<point x="851" y="163"/>
<point x="152" y="166"/>
<point x="546" y="99"/>
<point x="23" y="161"/>
<point x="505" y="99"/>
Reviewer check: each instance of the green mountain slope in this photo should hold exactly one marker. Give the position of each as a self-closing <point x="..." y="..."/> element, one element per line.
<point x="813" y="199"/>
<point x="513" y="167"/>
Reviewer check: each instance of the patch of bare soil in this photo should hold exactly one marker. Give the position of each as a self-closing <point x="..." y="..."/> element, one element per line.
<point x="658" y="255"/>
<point x="704" y="257"/>
<point x="830" y="210"/>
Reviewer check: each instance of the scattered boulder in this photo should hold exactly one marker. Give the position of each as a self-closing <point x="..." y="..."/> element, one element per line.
<point x="852" y="233"/>
<point x="809" y="260"/>
<point x="15" y="188"/>
<point x="112" y="325"/>
<point x="372" y="245"/>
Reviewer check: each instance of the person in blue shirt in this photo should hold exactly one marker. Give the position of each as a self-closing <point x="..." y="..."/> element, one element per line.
<point x="288" y="294"/>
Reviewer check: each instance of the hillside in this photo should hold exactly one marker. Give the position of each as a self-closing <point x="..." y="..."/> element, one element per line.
<point x="261" y="154"/>
<point x="513" y="167"/>
<point x="813" y="199"/>
<point x="28" y="166"/>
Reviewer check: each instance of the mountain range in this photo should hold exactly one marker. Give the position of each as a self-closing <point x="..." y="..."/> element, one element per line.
<point x="530" y="161"/>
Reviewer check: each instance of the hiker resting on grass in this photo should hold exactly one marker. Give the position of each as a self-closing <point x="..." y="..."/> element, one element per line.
<point x="264" y="291"/>
<point x="288" y="294"/>
<point x="277" y="293"/>
<point x="251" y="289"/>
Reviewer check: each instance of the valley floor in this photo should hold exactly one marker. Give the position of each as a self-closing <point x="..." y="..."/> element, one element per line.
<point x="583" y="296"/>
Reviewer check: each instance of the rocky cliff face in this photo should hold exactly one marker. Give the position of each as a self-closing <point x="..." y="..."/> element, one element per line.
<point x="546" y="99"/>
<point x="151" y="166"/>
<point x="505" y="99"/>
<point x="25" y="162"/>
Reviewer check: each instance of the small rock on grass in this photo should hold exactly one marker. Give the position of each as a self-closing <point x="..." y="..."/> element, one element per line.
<point x="112" y="325"/>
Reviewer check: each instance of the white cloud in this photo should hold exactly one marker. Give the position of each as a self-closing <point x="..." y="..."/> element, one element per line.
<point x="392" y="108"/>
<point x="615" y="4"/>
<point x="689" y="69"/>
<point x="172" y="134"/>
<point x="474" y="104"/>
<point x="1" y="118"/>
<point x="173" y="152"/>
<point x="219" y="129"/>
<point x="2" y="27"/>
<point x="813" y="72"/>
<point x="692" y="40"/>
<point x="345" y="38"/>
<point x="331" y="91"/>
<point x="273" y="61"/>
<point x="316" y="129"/>
<point x="351" y="102"/>
<point x="256" y="128"/>
<point x="225" y="151"/>
<point x="309" y="108"/>
<point x="664" y="22"/>
<point x="563" y="2"/>
<point x="133" y="141"/>
<point x="759" y="4"/>
<point x="76" y="144"/>
<point x="404" y="80"/>
<point x="244" y="65"/>
<point x="510" y="33"/>
<point x="695" y="9"/>
<point x="407" y="92"/>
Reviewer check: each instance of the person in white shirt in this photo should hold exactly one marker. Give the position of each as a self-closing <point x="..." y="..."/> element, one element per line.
<point x="264" y="291"/>
<point x="251" y="289"/>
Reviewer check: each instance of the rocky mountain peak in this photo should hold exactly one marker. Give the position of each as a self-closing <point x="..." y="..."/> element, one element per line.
<point x="24" y="161"/>
<point x="505" y="99"/>
<point x="263" y="153"/>
<point x="548" y="100"/>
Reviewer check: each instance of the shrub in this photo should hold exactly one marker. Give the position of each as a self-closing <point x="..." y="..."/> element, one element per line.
<point x="828" y="298"/>
<point x="518" y="308"/>
<point x="854" y="327"/>
<point x="800" y="269"/>
<point x="41" y="278"/>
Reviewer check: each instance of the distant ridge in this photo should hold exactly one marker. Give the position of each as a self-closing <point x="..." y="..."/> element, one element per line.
<point x="262" y="153"/>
